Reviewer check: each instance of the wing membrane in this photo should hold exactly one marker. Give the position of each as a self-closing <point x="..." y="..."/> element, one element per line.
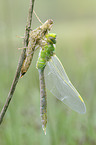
<point x="60" y="86"/>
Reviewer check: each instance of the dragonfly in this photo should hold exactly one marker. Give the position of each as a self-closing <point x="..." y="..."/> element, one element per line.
<point x="53" y="76"/>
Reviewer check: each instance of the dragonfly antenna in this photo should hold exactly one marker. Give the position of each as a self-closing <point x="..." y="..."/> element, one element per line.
<point x="37" y="17"/>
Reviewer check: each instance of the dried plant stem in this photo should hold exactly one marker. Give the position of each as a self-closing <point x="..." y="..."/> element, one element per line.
<point x="17" y="75"/>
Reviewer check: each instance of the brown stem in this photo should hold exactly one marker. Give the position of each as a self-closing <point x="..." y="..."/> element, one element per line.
<point x="17" y="75"/>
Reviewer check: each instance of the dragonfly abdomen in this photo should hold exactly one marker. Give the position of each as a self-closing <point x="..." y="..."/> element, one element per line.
<point x="45" y="55"/>
<point x="43" y="100"/>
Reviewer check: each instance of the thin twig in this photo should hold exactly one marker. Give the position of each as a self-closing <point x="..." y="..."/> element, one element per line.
<point x="37" y="17"/>
<point x="17" y="75"/>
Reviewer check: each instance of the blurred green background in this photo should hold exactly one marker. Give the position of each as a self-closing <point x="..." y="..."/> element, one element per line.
<point x="75" y="26"/>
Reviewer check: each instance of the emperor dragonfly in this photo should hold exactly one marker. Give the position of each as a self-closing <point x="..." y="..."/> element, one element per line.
<point x="56" y="80"/>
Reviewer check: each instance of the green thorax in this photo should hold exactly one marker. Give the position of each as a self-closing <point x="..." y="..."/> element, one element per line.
<point x="47" y="51"/>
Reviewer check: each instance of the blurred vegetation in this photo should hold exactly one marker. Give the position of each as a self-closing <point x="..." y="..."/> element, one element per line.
<point x="75" y="26"/>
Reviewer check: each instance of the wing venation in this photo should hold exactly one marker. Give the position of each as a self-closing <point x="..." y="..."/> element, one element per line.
<point x="60" y="86"/>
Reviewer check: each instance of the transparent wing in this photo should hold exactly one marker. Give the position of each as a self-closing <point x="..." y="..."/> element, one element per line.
<point x="60" y="86"/>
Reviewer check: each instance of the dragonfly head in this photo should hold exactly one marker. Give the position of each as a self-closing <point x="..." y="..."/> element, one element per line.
<point x="51" y="38"/>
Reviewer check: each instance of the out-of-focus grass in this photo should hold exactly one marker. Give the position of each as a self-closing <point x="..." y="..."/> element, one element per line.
<point x="76" y="48"/>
